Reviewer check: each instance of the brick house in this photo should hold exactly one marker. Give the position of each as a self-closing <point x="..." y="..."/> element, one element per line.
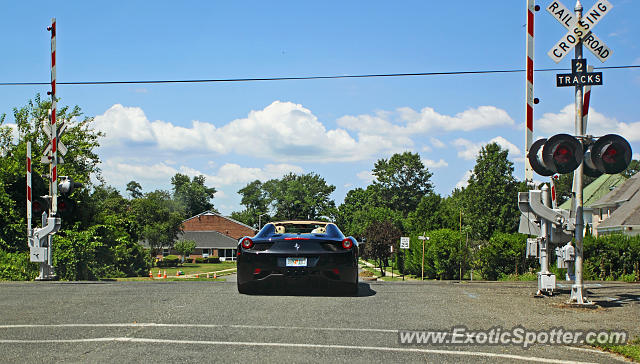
<point x="214" y="234"/>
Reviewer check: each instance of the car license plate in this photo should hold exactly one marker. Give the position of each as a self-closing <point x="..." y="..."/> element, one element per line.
<point x="296" y="262"/>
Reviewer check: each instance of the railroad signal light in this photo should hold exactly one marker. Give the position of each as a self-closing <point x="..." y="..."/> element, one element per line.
<point x="67" y="185"/>
<point x="39" y="205"/>
<point x="610" y="154"/>
<point x="563" y="153"/>
<point x="65" y="205"/>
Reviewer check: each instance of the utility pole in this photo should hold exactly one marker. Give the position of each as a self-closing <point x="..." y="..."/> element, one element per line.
<point x="423" y="238"/>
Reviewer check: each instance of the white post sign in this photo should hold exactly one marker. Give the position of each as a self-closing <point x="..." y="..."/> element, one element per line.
<point x="404" y="242"/>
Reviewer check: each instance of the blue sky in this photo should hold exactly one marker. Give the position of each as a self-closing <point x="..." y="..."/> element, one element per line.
<point x="234" y="133"/>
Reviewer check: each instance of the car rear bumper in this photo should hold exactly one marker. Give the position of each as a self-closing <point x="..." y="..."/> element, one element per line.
<point x="322" y="271"/>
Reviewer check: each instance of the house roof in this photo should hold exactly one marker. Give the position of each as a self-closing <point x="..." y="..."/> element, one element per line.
<point x="597" y="189"/>
<point x="213" y="213"/>
<point x="623" y="193"/>
<point x="627" y="214"/>
<point x="209" y="239"/>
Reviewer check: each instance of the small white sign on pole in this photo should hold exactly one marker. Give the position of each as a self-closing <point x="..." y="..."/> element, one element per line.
<point x="404" y="242"/>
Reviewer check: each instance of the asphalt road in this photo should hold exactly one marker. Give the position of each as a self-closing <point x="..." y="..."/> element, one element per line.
<point x="160" y="322"/>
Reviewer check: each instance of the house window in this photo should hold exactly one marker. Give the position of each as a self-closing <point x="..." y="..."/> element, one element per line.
<point x="165" y="252"/>
<point x="227" y="254"/>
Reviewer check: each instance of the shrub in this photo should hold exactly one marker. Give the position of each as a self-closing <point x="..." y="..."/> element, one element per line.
<point x="101" y="251"/>
<point x="443" y="254"/>
<point x="17" y="267"/>
<point x="502" y="255"/>
<point x="170" y="261"/>
<point x="213" y="260"/>
<point x="628" y="277"/>
<point x="200" y="260"/>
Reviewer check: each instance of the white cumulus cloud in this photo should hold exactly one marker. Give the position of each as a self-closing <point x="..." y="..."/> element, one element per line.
<point x="406" y="121"/>
<point x="469" y="150"/>
<point x="597" y="124"/>
<point x="159" y="174"/>
<point x="366" y="176"/>
<point x="283" y="131"/>
<point x="464" y="180"/>
<point x="437" y="143"/>
<point x="429" y="163"/>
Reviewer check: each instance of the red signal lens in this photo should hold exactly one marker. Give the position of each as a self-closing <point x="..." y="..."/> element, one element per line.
<point x="562" y="154"/>
<point x="610" y="155"/>
<point x="247" y="243"/>
<point x="37" y="207"/>
<point x="347" y="243"/>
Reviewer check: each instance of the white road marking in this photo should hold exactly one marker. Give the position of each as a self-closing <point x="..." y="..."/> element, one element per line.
<point x="586" y="285"/>
<point x="292" y="345"/>
<point x="471" y="295"/>
<point x="152" y="324"/>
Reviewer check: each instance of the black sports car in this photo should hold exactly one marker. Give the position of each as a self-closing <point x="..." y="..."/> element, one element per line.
<point x="298" y="254"/>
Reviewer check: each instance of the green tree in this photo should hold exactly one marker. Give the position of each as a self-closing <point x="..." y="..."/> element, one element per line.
<point x="402" y="181"/>
<point x="135" y="189"/>
<point x="380" y="236"/>
<point x="306" y="196"/>
<point x="159" y="219"/>
<point x="81" y="162"/>
<point x="452" y="208"/>
<point x="490" y="199"/>
<point x="633" y="168"/>
<point x="184" y="247"/>
<point x="428" y="215"/>
<point x="359" y="210"/>
<point x="192" y="194"/>
<point x="255" y="200"/>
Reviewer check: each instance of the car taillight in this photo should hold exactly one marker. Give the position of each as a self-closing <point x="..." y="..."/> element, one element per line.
<point x="247" y="243"/>
<point x="347" y="243"/>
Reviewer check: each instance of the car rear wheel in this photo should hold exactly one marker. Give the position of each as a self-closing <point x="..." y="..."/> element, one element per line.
<point x="245" y="289"/>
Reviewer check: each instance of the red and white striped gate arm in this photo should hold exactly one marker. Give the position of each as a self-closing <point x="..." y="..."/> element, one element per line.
<point x="29" y="192"/>
<point x="528" y="171"/>
<point x="54" y="131"/>
<point x="585" y="101"/>
<point x="554" y="198"/>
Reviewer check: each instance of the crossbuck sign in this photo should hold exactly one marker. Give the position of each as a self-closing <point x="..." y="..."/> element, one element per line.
<point x="579" y="30"/>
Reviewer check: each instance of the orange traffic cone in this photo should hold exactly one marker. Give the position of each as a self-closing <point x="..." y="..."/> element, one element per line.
<point x="165" y="274"/>
<point x="215" y="276"/>
<point x="150" y="275"/>
<point x="178" y="273"/>
<point x="159" y="274"/>
<point x="197" y="275"/>
<point x="207" y="275"/>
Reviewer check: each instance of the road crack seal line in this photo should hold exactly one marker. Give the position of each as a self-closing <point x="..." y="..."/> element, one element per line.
<point x="292" y="345"/>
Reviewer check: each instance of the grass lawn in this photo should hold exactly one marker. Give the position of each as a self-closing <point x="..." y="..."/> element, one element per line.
<point x="630" y="350"/>
<point x="169" y="279"/>
<point x="194" y="268"/>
